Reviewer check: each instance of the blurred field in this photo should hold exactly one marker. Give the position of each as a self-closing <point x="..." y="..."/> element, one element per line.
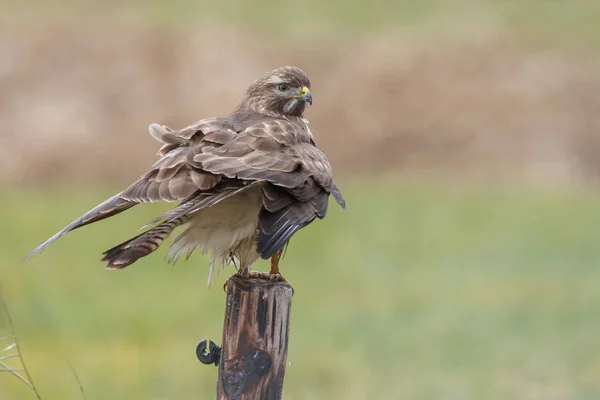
<point x="414" y="293"/>
<point x="478" y="90"/>
<point x="465" y="136"/>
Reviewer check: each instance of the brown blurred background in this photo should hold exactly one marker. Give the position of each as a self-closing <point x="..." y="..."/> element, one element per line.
<point x="475" y="93"/>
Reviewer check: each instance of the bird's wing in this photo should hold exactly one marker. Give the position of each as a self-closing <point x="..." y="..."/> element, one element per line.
<point x="257" y="153"/>
<point x="215" y="158"/>
<point x="171" y="178"/>
<point x="297" y="173"/>
<point x="287" y="210"/>
<point x="107" y="208"/>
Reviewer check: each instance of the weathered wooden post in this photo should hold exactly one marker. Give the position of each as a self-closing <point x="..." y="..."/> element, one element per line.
<point x="253" y="355"/>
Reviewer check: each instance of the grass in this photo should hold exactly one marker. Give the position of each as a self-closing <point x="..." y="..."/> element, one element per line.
<point x="414" y="292"/>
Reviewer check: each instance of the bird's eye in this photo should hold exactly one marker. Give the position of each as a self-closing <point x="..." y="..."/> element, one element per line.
<point x="283" y="87"/>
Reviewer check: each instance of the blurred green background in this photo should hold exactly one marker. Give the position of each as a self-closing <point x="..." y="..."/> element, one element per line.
<point x="465" y="136"/>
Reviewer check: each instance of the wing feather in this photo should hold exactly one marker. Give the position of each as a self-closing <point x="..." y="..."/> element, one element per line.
<point x="108" y="208"/>
<point x="216" y="158"/>
<point x="277" y="228"/>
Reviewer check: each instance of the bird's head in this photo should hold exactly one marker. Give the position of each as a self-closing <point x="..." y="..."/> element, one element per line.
<point x="281" y="92"/>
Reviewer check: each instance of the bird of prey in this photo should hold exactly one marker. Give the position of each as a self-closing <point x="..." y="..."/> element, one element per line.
<point x="246" y="182"/>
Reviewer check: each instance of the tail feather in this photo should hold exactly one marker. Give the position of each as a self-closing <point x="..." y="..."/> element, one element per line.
<point x="140" y="246"/>
<point x="108" y="208"/>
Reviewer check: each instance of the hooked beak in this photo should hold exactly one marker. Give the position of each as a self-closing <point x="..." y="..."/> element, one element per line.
<point x="305" y="95"/>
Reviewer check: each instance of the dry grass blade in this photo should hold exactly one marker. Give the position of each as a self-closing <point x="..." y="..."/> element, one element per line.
<point x="8" y="356"/>
<point x="10" y="347"/>
<point x="13" y="371"/>
<point x="78" y="381"/>
<point x="15" y="345"/>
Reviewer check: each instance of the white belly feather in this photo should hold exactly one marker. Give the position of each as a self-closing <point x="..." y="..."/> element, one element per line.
<point x="227" y="230"/>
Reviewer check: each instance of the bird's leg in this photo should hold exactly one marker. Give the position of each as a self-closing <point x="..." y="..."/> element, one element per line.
<point x="274" y="274"/>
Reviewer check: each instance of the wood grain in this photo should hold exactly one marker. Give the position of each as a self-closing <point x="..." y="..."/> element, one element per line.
<point x="255" y="340"/>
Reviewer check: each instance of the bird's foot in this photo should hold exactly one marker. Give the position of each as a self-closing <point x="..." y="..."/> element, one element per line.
<point x="274" y="275"/>
<point x="267" y="276"/>
<point x="243" y="274"/>
<point x="277" y="277"/>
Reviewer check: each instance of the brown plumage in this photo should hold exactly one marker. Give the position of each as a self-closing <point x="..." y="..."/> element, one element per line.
<point x="247" y="182"/>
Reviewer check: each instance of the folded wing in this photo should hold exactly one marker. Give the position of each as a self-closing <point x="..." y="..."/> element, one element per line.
<point x="297" y="176"/>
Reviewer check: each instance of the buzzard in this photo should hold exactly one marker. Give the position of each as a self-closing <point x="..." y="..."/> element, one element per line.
<point x="246" y="182"/>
